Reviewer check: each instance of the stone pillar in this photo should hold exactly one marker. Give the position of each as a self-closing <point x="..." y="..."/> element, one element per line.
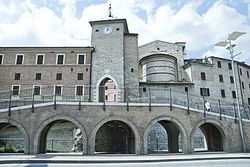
<point x="173" y="143"/>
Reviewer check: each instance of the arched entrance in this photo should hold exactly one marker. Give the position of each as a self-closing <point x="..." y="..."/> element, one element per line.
<point x="170" y="137"/>
<point x="107" y="90"/>
<point x="115" y="137"/>
<point x="11" y="139"/>
<point x="213" y="137"/>
<point x="164" y="137"/>
<point x="60" y="134"/>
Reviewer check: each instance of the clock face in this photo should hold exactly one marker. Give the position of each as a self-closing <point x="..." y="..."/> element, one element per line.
<point x="107" y="30"/>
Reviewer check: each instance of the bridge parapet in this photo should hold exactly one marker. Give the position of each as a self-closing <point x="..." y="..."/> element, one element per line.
<point x="32" y="98"/>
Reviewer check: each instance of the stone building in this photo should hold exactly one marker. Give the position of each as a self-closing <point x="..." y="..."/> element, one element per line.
<point x="46" y="71"/>
<point x="70" y="72"/>
<point x="114" y="69"/>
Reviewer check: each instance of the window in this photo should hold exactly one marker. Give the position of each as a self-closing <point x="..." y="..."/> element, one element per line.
<point x="231" y="79"/>
<point x="58" y="90"/>
<point x="38" y="76"/>
<point x="36" y="90"/>
<point x="39" y="59"/>
<point x="81" y="59"/>
<point x="229" y="66"/>
<point x="144" y="89"/>
<point x="248" y="101"/>
<point x="79" y="90"/>
<point x="1" y="59"/>
<point x="219" y="64"/>
<point x="19" y="59"/>
<point x="204" y="92"/>
<point x="247" y="74"/>
<point x="221" y="78"/>
<point x="80" y="76"/>
<point x="17" y="76"/>
<point x="222" y="92"/>
<point x="249" y="86"/>
<point x="60" y="59"/>
<point x="186" y="89"/>
<point x="59" y="76"/>
<point x="203" y="76"/>
<point x="15" y="90"/>
<point x="240" y="71"/>
<point x="233" y="94"/>
<point x="243" y="86"/>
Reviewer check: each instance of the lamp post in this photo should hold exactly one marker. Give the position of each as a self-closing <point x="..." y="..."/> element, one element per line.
<point x="232" y="37"/>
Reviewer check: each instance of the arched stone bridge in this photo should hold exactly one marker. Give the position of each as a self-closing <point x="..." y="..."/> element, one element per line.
<point x="221" y="134"/>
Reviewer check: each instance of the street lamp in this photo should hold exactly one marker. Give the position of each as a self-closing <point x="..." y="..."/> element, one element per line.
<point x="232" y="37"/>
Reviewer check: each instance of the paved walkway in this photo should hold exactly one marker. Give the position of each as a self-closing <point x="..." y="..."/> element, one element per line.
<point x="77" y="158"/>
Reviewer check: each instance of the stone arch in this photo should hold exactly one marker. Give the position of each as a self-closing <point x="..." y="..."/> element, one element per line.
<point x="178" y="125"/>
<point x="106" y="76"/>
<point x="116" y="118"/>
<point x="213" y="122"/>
<point x="48" y="121"/>
<point x="22" y="130"/>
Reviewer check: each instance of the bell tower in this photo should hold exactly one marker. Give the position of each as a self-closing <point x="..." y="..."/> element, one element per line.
<point x="108" y="58"/>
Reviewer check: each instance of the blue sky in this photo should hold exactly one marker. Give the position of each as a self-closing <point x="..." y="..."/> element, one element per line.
<point x="200" y="23"/>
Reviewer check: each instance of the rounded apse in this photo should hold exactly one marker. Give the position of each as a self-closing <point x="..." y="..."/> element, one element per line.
<point x="159" y="68"/>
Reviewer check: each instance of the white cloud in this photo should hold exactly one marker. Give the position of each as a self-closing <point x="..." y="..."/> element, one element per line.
<point x="223" y="20"/>
<point x="26" y="23"/>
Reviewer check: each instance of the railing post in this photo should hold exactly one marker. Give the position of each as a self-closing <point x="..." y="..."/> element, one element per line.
<point x="204" y="107"/>
<point x="24" y="103"/>
<point x="9" y="112"/>
<point x="79" y="106"/>
<point x="248" y="110"/>
<point x="188" y="104"/>
<point x="219" y="109"/>
<point x="246" y="113"/>
<point x="149" y="94"/>
<point x="33" y="97"/>
<point x="171" y="102"/>
<point x="52" y="145"/>
<point x="104" y="99"/>
<point x="127" y="99"/>
<point x="235" y="114"/>
<point x="55" y="102"/>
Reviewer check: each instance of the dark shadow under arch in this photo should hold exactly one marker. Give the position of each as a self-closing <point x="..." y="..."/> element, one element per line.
<point x="213" y="133"/>
<point x="177" y="134"/>
<point x="172" y="140"/>
<point x="213" y="137"/>
<point x="115" y="137"/>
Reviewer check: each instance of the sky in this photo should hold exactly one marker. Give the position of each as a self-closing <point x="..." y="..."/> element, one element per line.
<point x="199" y="23"/>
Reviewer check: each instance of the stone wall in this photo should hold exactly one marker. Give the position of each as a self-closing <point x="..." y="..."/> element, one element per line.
<point x="139" y="118"/>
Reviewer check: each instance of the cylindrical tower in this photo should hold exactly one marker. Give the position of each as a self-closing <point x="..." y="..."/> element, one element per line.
<point x="159" y="68"/>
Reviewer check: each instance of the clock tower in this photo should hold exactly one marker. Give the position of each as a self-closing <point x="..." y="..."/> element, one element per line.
<point x="108" y="60"/>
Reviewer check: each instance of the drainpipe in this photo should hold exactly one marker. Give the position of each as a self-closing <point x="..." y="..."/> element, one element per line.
<point x="90" y="74"/>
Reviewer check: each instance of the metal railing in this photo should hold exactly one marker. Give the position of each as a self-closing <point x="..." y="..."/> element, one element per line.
<point x="148" y="96"/>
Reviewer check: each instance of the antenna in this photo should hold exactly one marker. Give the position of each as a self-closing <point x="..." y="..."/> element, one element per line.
<point x="110" y="11"/>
